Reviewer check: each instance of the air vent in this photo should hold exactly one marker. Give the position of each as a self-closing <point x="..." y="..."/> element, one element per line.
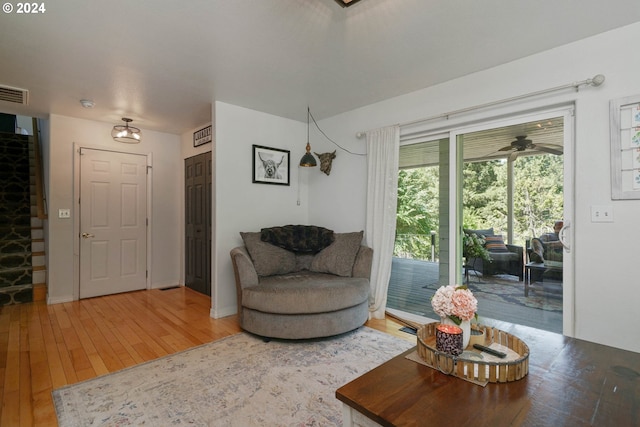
<point x="14" y="94"/>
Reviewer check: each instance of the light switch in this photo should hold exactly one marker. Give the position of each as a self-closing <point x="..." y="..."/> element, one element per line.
<point x="64" y="213"/>
<point x="602" y="213"/>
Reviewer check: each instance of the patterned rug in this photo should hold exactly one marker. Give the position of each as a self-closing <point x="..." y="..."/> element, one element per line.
<point x="237" y="381"/>
<point x="500" y="289"/>
<point x="504" y="288"/>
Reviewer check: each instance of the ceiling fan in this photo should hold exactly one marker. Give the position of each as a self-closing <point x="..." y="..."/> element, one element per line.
<point x="522" y="144"/>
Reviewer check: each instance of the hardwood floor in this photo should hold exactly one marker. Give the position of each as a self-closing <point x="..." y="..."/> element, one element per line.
<point x="44" y="347"/>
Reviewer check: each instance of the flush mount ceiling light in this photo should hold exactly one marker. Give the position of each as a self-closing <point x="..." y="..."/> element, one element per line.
<point x="127" y="134"/>
<point x="346" y="3"/>
<point x="308" y="161"/>
<point x="87" y="103"/>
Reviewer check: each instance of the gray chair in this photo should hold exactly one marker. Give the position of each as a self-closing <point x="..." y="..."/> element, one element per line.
<point x="282" y="294"/>
<point x="505" y="258"/>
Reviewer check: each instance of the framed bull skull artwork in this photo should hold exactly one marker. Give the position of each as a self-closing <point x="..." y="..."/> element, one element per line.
<point x="270" y="165"/>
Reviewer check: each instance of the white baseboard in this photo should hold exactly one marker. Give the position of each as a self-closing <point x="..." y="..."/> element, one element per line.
<point x="59" y="300"/>
<point x="410" y="316"/>
<point x="165" y="285"/>
<point x="223" y="312"/>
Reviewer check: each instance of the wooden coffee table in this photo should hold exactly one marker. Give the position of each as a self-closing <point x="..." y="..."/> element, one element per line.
<point x="571" y="382"/>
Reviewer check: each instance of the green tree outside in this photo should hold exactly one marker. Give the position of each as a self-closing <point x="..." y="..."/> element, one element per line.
<point x="417" y="212"/>
<point x="538" y="201"/>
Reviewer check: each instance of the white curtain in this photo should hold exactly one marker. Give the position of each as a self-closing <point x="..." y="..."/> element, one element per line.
<point x="383" y="147"/>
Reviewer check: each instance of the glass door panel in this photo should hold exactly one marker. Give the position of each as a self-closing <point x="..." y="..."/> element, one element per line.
<point x="421" y="253"/>
<point x="511" y="183"/>
<point x="508" y="182"/>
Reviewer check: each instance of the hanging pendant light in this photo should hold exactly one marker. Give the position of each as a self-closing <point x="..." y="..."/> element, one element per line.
<point x="308" y="161"/>
<point x="127" y="134"/>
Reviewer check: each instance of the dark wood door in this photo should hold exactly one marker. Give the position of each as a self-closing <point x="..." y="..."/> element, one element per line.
<point x="198" y="179"/>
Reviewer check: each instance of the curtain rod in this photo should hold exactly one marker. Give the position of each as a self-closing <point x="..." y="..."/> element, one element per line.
<point x="596" y="81"/>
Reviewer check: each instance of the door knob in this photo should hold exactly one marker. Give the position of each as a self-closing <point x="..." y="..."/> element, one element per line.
<point x="87" y="235"/>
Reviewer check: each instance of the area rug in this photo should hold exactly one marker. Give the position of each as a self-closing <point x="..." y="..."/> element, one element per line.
<point x="240" y="380"/>
<point x="504" y="289"/>
<point x="513" y="292"/>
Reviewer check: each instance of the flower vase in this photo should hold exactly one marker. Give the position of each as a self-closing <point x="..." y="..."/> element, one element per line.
<point x="465" y="325"/>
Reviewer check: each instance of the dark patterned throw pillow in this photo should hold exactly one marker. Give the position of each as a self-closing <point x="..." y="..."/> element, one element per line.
<point x="298" y="238"/>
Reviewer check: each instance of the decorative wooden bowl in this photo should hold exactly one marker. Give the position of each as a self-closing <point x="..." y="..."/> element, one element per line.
<point x="471" y="364"/>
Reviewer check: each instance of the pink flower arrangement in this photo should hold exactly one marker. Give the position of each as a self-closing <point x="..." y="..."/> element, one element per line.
<point x="455" y="302"/>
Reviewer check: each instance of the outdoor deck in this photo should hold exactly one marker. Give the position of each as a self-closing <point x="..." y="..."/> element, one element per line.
<point x="413" y="283"/>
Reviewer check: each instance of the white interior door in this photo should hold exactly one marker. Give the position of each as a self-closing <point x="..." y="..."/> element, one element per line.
<point x="113" y="222"/>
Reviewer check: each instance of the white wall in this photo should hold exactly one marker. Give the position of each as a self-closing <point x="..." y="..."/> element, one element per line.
<point x="165" y="235"/>
<point x="241" y="205"/>
<point x="337" y="200"/>
<point x="607" y="287"/>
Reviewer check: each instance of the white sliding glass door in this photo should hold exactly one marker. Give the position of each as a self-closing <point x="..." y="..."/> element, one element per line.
<point x="511" y="176"/>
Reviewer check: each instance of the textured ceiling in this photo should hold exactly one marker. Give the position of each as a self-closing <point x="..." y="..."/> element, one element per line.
<point x="163" y="62"/>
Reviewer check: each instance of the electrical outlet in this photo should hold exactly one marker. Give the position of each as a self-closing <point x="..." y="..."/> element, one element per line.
<point x="602" y="213"/>
<point x="64" y="213"/>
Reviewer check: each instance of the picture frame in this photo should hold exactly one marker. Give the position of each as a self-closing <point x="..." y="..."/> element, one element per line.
<point x="270" y="165"/>
<point x="203" y="136"/>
